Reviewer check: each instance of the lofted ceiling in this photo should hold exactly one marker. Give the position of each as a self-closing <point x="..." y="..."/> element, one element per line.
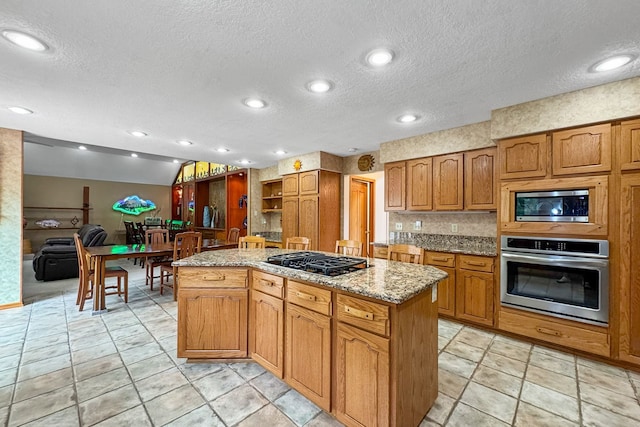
<point x="181" y="69"/>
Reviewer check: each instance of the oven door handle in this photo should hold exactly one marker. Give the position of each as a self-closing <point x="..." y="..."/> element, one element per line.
<point x="559" y="260"/>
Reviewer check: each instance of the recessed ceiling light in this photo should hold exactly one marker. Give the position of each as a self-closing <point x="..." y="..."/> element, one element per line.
<point x="352" y="150"/>
<point x="254" y="103"/>
<point x="222" y="150"/>
<point x="138" y="133"/>
<point x="82" y="147"/>
<point x="379" y="57"/>
<point x="20" y="110"/>
<point x="24" y="40"/>
<point x="612" y="63"/>
<point x="319" y="86"/>
<point x="134" y="155"/>
<point x="184" y="142"/>
<point x="175" y="161"/>
<point x="281" y="152"/>
<point x="244" y="162"/>
<point x="407" y="118"/>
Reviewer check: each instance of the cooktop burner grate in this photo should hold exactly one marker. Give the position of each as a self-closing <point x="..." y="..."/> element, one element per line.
<point x="315" y="262"/>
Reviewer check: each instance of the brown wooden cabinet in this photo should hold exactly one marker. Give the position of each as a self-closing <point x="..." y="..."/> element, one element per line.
<point x="419" y="184"/>
<point x="266" y="337"/>
<point x="447" y="287"/>
<point x="630" y="145"/>
<point x="583" y="150"/>
<point x="448" y="172"/>
<point x="290" y="185"/>
<point x="629" y="269"/>
<point x="309" y="219"/>
<point x="290" y="211"/>
<point x="474" y="289"/>
<point x="309" y="182"/>
<point x="272" y="196"/>
<point x="524" y="157"/>
<point x="394" y="186"/>
<point x="480" y="183"/>
<point x="204" y="291"/>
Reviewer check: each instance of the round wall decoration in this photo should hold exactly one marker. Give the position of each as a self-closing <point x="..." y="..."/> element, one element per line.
<point x="366" y="162"/>
<point x="297" y="165"/>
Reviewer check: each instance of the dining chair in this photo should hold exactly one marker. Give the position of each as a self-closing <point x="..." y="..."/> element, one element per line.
<point x="86" y="277"/>
<point x="155" y="236"/>
<point x="300" y="243"/>
<point x="349" y="247"/>
<point x="406" y="253"/>
<point x="234" y="235"/>
<point x="251" y="242"/>
<point x="184" y="245"/>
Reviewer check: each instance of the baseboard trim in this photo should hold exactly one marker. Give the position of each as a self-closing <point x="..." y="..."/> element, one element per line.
<point x="12" y="305"/>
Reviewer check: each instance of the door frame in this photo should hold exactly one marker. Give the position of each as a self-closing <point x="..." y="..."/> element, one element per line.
<point x="370" y="207"/>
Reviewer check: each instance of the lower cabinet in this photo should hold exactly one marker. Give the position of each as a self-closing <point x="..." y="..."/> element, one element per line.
<point x="474" y="296"/>
<point x="266" y="337"/>
<point x="308" y="354"/>
<point x="362" y="377"/>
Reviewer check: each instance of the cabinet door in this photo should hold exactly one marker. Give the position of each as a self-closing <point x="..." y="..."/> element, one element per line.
<point x="308" y="354"/>
<point x="201" y="335"/>
<point x="290" y="185"/>
<point x="362" y="377"/>
<point x="524" y="157"/>
<point x="447" y="182"/>
<point x="289" y="217"/>
<point x="480" y="184"/>
<point x="394" y="186"/>
<point x="630" y="145"/>
<point x="630" y="269"/>
<point x="583" y="150"/>
<point x="308" y="219"/>
<point x="447" y="293"/>
<point x="420" y="184"/>
<point x="266" y="334"/>
<point x="474" y="296"/>
<point x="309" y="183"/>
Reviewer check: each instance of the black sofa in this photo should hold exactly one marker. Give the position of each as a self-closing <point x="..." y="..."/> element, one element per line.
<point x="57" y="258"/>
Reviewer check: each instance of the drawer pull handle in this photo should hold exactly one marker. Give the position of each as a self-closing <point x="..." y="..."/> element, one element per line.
<point x="548" y="331"/>
<point x="216" y="278"/>
<point x="358" y="313"/>
<point x="440" y="259"/>
<point x="266" y="282"/>
<point x="306" y="296"/>
<point x="477" y="264"/>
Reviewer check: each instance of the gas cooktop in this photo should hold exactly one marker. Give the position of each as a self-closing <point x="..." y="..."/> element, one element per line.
<point x="315" y="262"/>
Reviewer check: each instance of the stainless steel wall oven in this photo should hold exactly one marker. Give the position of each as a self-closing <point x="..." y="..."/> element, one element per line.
<point x="566" y="278"/>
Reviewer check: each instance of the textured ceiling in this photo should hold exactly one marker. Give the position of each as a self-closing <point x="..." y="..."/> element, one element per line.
<point x="180" y="69"/>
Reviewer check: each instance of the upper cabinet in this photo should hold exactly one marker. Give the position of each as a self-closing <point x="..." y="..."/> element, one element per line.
<point x="394" y="186"/>
<point x="582" y="150"/>
<point x="420" y="184"/>
<point x="630" y="145"/>
<point x="448" y="172"/>
<point x="290" y="185"/>
<point x="524" y="157"/>
<point x="480" y="183"/>
<point x="308" y="183"/>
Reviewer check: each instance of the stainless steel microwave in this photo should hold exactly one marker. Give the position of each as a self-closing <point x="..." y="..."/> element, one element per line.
<point x="553" y="206"/>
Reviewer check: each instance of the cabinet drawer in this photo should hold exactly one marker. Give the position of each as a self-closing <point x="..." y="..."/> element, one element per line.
<point x="367" y="315"/>
<point x="583" y="337"/>
<point x="210" y="277"/>
<point x="440" y="259"/>
<point x="268" y="283"/>
<point x="380" y="252"/>
<point x="475" y="263"/>
<point x="313" y="298"/>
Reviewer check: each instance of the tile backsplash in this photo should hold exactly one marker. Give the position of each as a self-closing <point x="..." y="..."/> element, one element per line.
<point x="482" y="224"/>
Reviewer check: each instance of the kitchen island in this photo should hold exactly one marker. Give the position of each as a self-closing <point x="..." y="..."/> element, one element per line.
<point x="362" y="345"/>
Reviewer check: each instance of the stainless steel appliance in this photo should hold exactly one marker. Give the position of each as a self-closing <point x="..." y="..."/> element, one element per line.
<point x="558" y="277"/>
<point x="553" y="206"/>
<point x="315" y="262"/>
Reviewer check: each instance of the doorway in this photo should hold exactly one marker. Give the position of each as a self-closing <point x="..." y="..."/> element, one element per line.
<point x="362" y="213"/>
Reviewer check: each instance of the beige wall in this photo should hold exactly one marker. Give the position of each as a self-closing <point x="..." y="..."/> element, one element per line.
<point x="11" y="166"/>
<point x="67" y="192"/>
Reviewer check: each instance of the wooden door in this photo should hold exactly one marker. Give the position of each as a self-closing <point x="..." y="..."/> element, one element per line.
<point x="474" y="296"/>
<point x="420" y="184"/>
<point x="630" y="145"/>
<point x="308" y="354"/>
<point x="201" y="335"/>
<point x="290" y="185"/>
<point x="480" y="183"/>
<point x="447" y="293"/>
<point x="308" y="225"/>
<point x="362" y="377"/>
<point x="394" y="186"/>
<point x="583" y="150"/>
<point x="361" y="214"/>
<point x="309" y="182"/>
<point x="266" y="333"/>
<point x="629" y="348"/>
<point x="289" y="217"/>
<point x="448" y="172"/>
<point x="524" y="157"/>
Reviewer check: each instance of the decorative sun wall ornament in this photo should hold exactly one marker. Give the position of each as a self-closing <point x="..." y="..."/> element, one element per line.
<point x="133" y="205"/>
<point x="366" y="162"/>
<point x="297" y="165"/>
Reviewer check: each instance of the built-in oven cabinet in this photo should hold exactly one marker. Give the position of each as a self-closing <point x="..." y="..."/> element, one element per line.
<point x="597" y="186"/>
<point x="524" y="157"/>
<point x="583" y="150"/>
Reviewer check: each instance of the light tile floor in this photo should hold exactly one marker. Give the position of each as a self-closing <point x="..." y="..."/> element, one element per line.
<point x="61" y="367"/>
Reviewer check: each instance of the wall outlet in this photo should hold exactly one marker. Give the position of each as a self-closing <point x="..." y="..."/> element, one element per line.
<point x="398" y="226"/>
<point x="454" y="228"/>
<point x="417" y="225"/>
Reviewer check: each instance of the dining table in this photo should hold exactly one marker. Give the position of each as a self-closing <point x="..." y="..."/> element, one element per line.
<point x="102" y="254"/>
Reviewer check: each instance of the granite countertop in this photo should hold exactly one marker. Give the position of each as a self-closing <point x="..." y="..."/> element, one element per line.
<point x="469" y="245"/>
<point x="390" y="281"/>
